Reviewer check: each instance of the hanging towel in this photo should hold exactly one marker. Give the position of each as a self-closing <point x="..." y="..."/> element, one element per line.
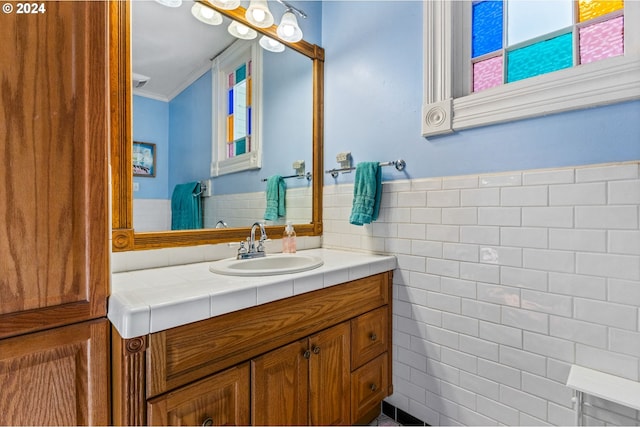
<point x="276" y="193"/>
<point x="186" y="207"/>
<point x="367" y="192"/>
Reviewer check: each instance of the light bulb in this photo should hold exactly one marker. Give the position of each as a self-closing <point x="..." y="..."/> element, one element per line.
<point x="242" y="30"/>
<point x="271" y="45"/>
<point x="259" y="15"/>
<point x="226" y="4"/>
<point x="206" y="13"/>
<point x="288" y="30"/>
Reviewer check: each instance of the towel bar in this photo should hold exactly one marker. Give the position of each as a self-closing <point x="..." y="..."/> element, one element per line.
<point x="307" y="175"/>
<point x="399" y="165"/>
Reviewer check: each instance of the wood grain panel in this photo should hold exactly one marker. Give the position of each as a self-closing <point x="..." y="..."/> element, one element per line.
<point x="368" y="388"/>
<point x="330" y="377"/>
<point x="221" y="399"/>
<point x="128" y="358"/>
<point x="53" y="185"/>
<point x="280" y="387"/>
<point x="369" y="336"/>
<point x="56" y="377"/>
<point x="189" y="352"/>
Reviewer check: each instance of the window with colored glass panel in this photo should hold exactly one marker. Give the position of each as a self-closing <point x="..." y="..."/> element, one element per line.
<point x="513" y="40"/>
<point x="239" y="111"/>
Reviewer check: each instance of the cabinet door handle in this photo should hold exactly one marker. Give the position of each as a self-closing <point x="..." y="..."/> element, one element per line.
<point x="316" y="349"/>
<point x="207" y="421"/>
<point x="373" y="387"/>
<point x="306" y="354"/>
<point x="373" y="336"/>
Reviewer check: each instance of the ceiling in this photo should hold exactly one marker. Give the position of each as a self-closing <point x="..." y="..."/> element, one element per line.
<point x="172" y="47"/>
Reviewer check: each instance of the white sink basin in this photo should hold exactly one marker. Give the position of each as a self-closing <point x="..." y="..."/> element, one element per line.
<point x="268" y="266"/>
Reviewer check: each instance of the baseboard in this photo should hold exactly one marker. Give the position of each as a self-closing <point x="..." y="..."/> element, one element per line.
<point x="401" y="416"/>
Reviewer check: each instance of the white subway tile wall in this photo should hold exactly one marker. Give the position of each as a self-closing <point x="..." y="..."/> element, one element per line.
<point x="503" y="282"/>
<point x="237" y="210"/>
<point x="151" y="214"/>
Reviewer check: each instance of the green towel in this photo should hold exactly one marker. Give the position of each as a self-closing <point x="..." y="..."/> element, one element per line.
<point x="186" y="207"/>
<point x="367" y="192"/>
<point x="276" y="194"/>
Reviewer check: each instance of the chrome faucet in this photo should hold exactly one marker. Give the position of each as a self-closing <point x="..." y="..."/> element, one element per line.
<point x="251" y="251"/>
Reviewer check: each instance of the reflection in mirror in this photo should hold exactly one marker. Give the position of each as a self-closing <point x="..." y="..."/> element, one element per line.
<point x="174" y="106"/>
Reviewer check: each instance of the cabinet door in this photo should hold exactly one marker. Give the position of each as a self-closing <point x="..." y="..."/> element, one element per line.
<point x="56" y="377"/>
<point x="280" y="386"/>
<point x="54" y="249"/>
<point x="329" y="376"/>
<point x="221" y="399"/>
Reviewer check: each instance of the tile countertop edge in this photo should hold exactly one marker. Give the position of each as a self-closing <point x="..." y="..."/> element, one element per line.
<point x="199" y="294"/>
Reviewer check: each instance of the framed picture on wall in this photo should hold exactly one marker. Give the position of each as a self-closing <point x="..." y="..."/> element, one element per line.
<point x="144" y="159"/>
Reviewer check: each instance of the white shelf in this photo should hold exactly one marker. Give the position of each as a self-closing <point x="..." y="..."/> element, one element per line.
<point x="609" y="387"/>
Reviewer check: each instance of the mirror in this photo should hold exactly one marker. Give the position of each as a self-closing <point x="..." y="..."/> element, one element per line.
<point x="125" y="237"/>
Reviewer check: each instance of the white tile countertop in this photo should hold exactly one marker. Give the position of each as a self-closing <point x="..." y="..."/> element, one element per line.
<point x="152" y="300"/>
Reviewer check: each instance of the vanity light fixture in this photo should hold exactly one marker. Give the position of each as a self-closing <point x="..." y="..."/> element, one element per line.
<point x="241" y="31"/>
<point x="271" y="45"/>
<point x="205" y="14"/>
<point x="170" y="3"/>
<point x="288" y="29"/>
<point x="258" y="14"/>
<point x="226" y="4"/>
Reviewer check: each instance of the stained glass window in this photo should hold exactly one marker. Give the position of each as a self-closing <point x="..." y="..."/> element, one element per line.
<point x="518" y="39"/>
<point x="238" y="133"/>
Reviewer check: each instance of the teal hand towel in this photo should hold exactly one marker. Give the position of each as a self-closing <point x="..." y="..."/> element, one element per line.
<point x="367" y="192"/>
<point x="186" y="207"/>
<point x="276" y="194"/>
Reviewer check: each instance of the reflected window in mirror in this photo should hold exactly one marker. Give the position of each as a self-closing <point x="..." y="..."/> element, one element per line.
<point x="237" y="98"/>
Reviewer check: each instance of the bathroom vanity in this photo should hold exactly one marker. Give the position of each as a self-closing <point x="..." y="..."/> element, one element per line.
<point x="308" y="348"/>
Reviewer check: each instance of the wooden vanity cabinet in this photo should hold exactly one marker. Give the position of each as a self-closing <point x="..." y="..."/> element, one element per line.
<point x="319" y="358"/>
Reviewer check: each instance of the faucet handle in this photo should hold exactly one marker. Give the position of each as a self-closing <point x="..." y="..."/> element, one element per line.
<point x="242" y="249"/>
<point x="260" y="244"/>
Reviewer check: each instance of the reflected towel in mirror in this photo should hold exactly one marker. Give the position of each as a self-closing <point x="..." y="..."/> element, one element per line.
<point x="367" y="192"/>
<point x="186" y="207"/>
<point x="276" y="194"/>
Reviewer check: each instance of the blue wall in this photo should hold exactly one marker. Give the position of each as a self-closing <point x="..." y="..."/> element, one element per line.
<point x="151" y="124"/>
<point x="190" y="133"/>
<point x="181" y="130"/>
<point x="373" y="99"/>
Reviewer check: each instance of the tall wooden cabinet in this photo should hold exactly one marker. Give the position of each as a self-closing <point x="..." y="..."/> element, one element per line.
<point x="54" y="247"/>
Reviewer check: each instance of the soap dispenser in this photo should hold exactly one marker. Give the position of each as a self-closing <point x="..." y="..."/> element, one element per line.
<point x="289" y="239"/>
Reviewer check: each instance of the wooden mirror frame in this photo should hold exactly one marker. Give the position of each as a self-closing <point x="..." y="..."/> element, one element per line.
<point x="124" y="237"/>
